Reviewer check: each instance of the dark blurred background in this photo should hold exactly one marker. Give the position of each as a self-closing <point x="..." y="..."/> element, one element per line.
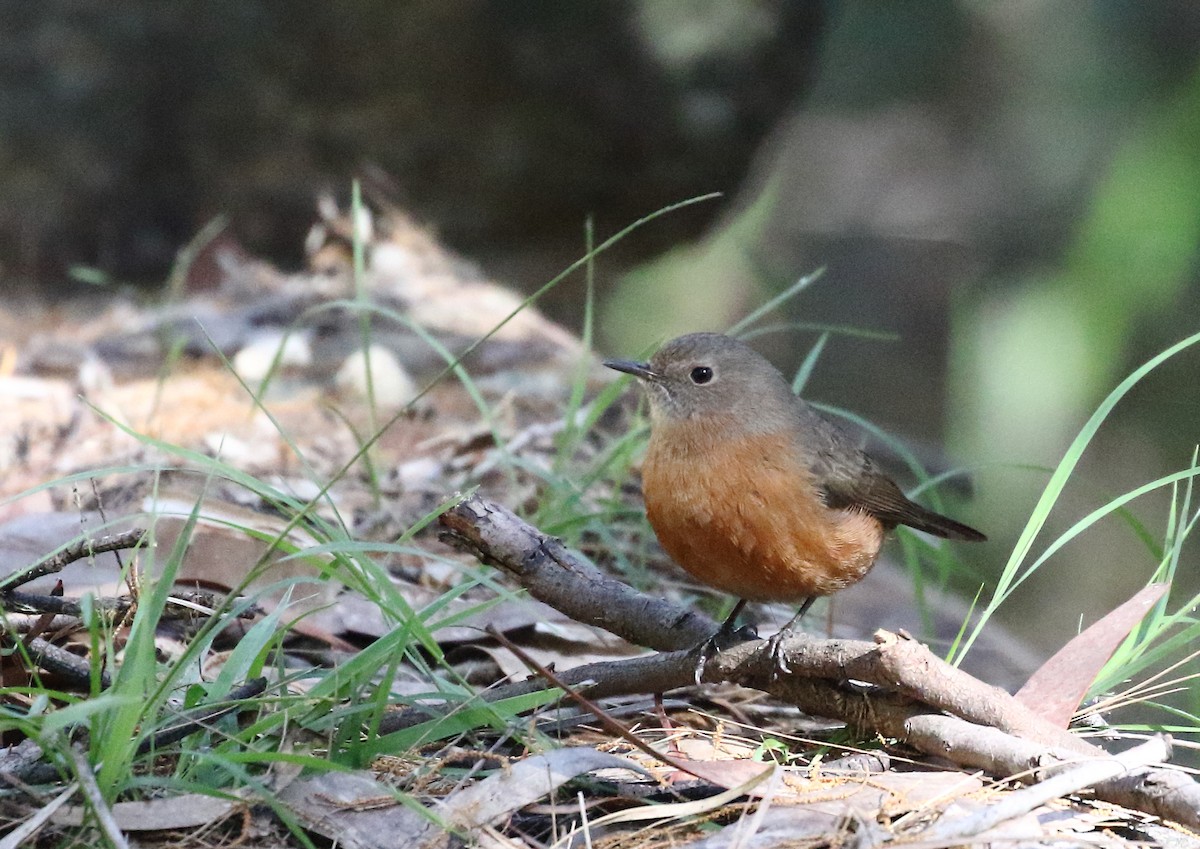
<point x="1012" y="189"/>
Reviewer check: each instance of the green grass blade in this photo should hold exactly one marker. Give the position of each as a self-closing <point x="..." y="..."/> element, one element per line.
<point x="1012" y="572"/>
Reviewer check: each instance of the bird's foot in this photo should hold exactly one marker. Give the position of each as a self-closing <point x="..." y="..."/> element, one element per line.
<point x="775" y="644"/>
<point x="779" y="665"/>
<point x="723" y="638"/>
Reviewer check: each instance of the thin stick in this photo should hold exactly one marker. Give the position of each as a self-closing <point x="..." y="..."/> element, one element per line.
<point x="95" y="800"/>
<point x="75" y="551"/>
<point x="612" y="725"/>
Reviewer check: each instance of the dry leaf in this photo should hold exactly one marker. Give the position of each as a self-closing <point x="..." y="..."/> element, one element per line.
<point x="361" y="813"/>
<point x="189" y="811"/>
<point x="1055" y="691"/>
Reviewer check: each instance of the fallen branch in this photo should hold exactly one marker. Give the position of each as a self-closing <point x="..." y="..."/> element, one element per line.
<point x="75" y="551"/>
<point x="26" y="763"/>
<point x="567" y="583"/>
<point x="1070" y="780"/>
<point x="201" y="717"/>
<point x="75" y="669"/>
<point x="578" y="589"/>
<point x="609" y="723"/>
<point x="914" y="690"/>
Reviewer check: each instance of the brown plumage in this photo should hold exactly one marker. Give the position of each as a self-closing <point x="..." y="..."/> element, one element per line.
<point x="750" y="489"/>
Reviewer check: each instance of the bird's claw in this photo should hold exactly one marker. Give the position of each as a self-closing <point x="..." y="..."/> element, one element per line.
<point x="708" y="648"/>
<point x="779" y="665"/>
<point x="722" y="639"/>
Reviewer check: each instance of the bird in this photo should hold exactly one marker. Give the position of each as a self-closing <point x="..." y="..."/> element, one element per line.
<point x="754" y="492"/>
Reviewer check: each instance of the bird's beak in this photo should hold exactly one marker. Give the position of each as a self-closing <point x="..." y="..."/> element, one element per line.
<point x="641" y="371"/>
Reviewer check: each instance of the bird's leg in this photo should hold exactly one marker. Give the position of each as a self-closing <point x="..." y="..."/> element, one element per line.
<point x="721" y="638"/>
<point x="778" y="663"/>
<point x="726" y="629"/>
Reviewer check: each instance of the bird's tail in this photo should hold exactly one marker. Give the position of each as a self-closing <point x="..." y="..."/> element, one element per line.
<point x="923" y="519"/>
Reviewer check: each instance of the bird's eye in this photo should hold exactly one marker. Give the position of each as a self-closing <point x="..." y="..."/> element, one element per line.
<point x="701" y="374"/>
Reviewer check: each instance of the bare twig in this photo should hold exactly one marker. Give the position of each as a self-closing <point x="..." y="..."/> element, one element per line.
<point x="75" y="551"/>
<point x="110" y="608"/>
<point x="199" y="718"/>
<point x="187" y="606"/>
<point x="95" y="799"/>
<point x="24" y="833"/>
<point x="602" y="716"/>
<point x="1164" y="792"/>
<point x="24" y="623"/>
<point x="17" y="762"/>
<point x="1069" y="780"/>
<point x="552" y="574"/>
<point x="909" y="668"/>
<point x="647" y="674"/>
<point x="58" y="660"/>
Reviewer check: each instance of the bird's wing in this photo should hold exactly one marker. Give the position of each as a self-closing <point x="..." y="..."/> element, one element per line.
<point x="849" y="478"/>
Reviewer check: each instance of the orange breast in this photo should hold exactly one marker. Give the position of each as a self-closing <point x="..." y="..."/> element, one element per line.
<point x="744" y="516"/>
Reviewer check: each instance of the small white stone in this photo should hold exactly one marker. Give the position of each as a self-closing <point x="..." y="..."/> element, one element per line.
<point x="417" y="472"/>
<point x="254" y="361"/>
<point x="389" y="382"/>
